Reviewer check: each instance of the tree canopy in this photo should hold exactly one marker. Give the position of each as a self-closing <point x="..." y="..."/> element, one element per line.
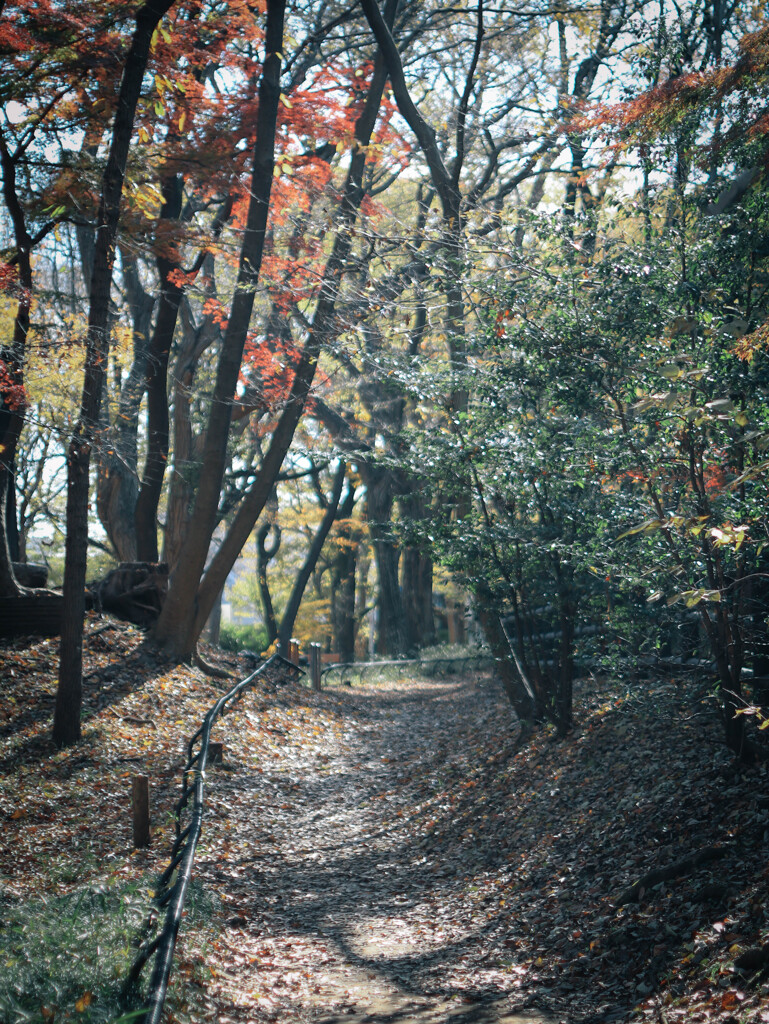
<point x="402" y="295"/>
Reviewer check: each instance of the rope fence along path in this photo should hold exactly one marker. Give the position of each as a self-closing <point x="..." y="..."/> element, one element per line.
<point x="173" y="883"/>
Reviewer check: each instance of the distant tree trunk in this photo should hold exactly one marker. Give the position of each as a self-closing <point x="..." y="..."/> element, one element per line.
<point x="66" y="721"/>
<point x="311" y="560"/>
<point x="343" y="580"/>
<point x="264" y="555"/>
<point x="380" y="494"/>
<point x="417" y="579"/>
<point x="418" y="598"/>
<point x="116" y="487"/>
<point x="145" y="512"/>
<point x="214" y="624"/>
<point x="363" y="644"/>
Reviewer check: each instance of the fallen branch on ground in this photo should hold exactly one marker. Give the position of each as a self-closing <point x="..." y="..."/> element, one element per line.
<point x="685" y="866"/>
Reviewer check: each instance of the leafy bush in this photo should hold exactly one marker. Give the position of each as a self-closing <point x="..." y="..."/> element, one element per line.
<point x="243" y="638"/>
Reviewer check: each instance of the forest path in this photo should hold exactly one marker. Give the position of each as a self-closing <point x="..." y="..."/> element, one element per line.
<point x="344" y="910"/>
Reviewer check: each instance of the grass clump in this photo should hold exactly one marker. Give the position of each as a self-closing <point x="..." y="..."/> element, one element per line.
<point x="64" y="957"/>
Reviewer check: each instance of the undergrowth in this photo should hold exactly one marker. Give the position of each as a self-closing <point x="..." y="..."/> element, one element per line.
<point x="65" y="958"/>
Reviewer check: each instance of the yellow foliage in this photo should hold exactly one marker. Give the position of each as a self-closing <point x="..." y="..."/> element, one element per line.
<point x="7" y="313"/>
<point x="55" y="369"/>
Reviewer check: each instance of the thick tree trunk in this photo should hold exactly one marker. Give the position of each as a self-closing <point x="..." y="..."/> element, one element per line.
<point x="417" y="579"/>
<point x="181" y="491"/>
<point x="66" y="722"/>
<point x="175" y="627"/>
<point x="418" y="598"/>
<point x="190" y="598"/>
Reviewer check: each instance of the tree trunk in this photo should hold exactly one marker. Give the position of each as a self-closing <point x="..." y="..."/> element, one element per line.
<point x="343" y="581"/>
<point x="182" y="609"/>
<point x="264" y="555"/>
<point x="11" y="517"/>
<point x="303" y="578"/>
<point x="145" y="516"/>
<point x="12" y="400"/>
<point x="520" y="699"/>
<point x="417" y="581"/>
<point x="214" y="624"/>
<point x="380" y="493"/>
<point x="116" y="487"/>
<point x="181" y="491"/>
<point x="158" y="430"/>
<point x="66" y="721"/>
<point x="190" y="597"/>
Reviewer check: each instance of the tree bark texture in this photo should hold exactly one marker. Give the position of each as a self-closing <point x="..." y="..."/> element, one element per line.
<point x="417" y="582"/>
<point x="380" y="495"/>
<point x="343" y="580"/>
<point x="116" y="487"/>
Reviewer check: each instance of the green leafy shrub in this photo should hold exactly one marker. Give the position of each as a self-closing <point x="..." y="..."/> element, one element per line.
<point x="243" y="638"/>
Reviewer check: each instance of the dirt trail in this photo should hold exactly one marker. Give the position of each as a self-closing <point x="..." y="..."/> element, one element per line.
<point x="342" y="909"/>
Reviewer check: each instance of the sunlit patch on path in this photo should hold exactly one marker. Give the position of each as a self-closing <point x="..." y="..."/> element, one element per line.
<point x="341" y="909"/>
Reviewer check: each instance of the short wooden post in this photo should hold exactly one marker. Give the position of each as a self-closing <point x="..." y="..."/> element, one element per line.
<point x="215" y="752"/>
<point x="140" y="806"/>
<point x="315" y="666"/>
<point x="293" y="650"/>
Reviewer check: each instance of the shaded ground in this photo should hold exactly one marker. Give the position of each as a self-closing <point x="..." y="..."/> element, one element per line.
<point x="386" y="853"/>
<point x="401" y="861"/>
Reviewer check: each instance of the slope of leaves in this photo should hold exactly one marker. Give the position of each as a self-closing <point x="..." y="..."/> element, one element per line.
<point x="70" y="882"/>
<point x="391" y="851"/>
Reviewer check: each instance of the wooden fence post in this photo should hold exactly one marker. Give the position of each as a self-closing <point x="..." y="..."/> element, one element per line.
<point x="293" y="650"/>
<point x="140" y="808"/>
<point x="315" y="666"/>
